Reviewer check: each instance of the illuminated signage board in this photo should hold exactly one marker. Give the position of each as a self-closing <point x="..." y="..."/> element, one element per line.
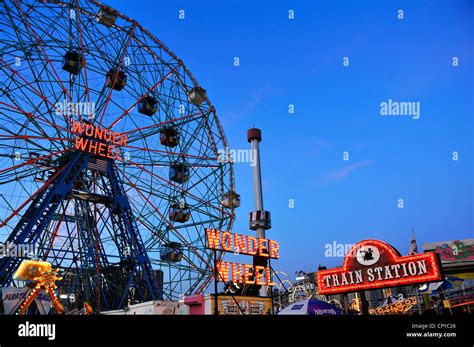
<point x="98" y="141"/>
<point x="241" y="244"/>
<point x="398" y="307"/>
<point x="247" y="245"/>
<point x="247" y="305"/>
<point x="372" y="264"/>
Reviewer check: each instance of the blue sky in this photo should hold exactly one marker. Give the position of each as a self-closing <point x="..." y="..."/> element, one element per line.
<point x="337" y="109"/>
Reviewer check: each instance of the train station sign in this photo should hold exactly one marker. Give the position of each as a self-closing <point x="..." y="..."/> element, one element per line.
<point x="373" y="264"/>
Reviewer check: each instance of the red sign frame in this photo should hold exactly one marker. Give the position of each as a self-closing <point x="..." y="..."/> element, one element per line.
<point x="356" y="276"/>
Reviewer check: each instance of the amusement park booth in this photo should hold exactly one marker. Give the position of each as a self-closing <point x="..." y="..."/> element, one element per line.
<point x="457" y="259"/>
<point x="203" y="304"/>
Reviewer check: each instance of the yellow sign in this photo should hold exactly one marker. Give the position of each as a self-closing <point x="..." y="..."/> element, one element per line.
<point x="399" y="307"/>
<point x="247" y="305"/>
<point x="43" y="277"/>
<point x="465" y="275"/>
<point x="29" y="270"/>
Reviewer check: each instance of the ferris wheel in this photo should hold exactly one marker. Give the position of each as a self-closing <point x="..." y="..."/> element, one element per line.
<point x="109" y="155"/>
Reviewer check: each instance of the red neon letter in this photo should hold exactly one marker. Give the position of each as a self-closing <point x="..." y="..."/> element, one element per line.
<point x="237" y="273"/>
<point x="269" y="277"/>
<point x="251" y="249"/>
<point x="274" y="247"/>
<point x="239" y="243"/>
<point x="248" y="273"/>
<point x="77" y="127"/>
<point x="101" y="150"/>
<point x="223" y="271"/>
<point x="123" y="140"/>
<point x="81" y="143"/>
<point x="262" y="246"/>
<point x="226" y="241"/>
<point x="259" y="274"/>
<point x="212" y="238"/>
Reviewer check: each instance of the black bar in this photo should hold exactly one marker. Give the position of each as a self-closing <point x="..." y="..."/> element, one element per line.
<point x="294" y="330"/>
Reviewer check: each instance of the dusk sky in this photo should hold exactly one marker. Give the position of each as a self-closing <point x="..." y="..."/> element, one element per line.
<point x="299" y="61"/>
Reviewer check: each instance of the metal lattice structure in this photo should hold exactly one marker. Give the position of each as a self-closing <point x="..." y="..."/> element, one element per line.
<point x="69" y="70"/>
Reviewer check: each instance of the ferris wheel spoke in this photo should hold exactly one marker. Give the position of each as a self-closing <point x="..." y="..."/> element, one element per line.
<point x="16" y="108"/>
<point x="33" y="119"/>
<point x="184" y="191"/>
<point x="33" y="141"/>
<point x="38" y="41"/>
<point x="149" y="227"/>
<point x="126" y="112"/>
<point x="32" y="161"/>
<point x="160" y="124"/>
<point x="32" y="88"/>
<point x="25" y="126"/>
<point x="31" y="137"/>
<point x="25" y="174"/>
<point x="182" y="239"/>
<point x="130" y="35"/>
<point x="211" y="138"/>
<point x="150" y="192"/>
<point x="193" y="139"/>
<point x="42" y="188"/>
<point x="81" y="41"/>
<point x="158" y="151"/>
<point x="157" y="127"/>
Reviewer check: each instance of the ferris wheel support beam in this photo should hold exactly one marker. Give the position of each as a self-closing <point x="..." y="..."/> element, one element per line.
<point x="33" y="225"/>
<point x="130" y="236"/>
<point x="39" y="214"/>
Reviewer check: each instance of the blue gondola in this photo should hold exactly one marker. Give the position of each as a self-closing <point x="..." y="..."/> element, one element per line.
<point x="116" y="80"/>
<point x="169" y="137"/>
<point x="179" y="213"/>
<point x="172" y="251"/>
<point x="230" y="200"/>
<point x="148" y="106"/>
<point x="73" y="62"/>
<point x="106" y="16"/>
<point x="179" y="173"/>
<point x="197" y="95"/>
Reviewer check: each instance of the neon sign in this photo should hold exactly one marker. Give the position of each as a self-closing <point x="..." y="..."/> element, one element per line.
<point x="244" y="273"/>
<point x="399" y="307"/>
<point x="372" y="264"/>
<point x="247" y="245"/>
<point x="98" y="141"/>
<point x="241" y="244"/>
